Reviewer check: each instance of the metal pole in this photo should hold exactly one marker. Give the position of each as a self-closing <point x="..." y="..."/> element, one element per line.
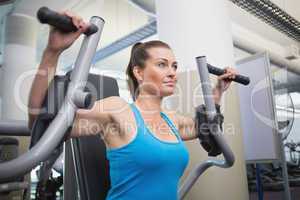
<point x="14" y="128"/>
<point x="216" y="132"/>
<point x="285" y="175"/>
<point x="259" y="186"/>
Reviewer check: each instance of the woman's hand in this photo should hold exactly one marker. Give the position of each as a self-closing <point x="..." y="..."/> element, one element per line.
<point x="59" y="41"/>
<point x="225" y="80"/>
<point x="223" y="83"/>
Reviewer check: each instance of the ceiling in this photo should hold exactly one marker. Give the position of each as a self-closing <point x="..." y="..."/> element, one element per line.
<point x="123" y="17"/>
<point x="239" y="17"/>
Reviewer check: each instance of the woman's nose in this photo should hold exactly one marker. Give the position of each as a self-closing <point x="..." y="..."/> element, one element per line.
<point x="172" y="71"/>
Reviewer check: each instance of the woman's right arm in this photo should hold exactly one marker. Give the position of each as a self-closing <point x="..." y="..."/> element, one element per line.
<point x="57" y="43"/>
<point x="43" y="77"/>
<point x="97" y="119"/>
<point x="87" y="121"/>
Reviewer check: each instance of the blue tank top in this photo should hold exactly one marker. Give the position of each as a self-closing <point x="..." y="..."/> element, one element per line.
<point x="147" y="168"/>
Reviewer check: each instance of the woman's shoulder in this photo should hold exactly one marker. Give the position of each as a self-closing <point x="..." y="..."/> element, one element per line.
<point x="114" y="105"/>
<point x="111" y="102"/>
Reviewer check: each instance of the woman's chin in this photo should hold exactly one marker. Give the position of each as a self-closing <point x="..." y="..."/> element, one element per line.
<point x="168" y="92"/>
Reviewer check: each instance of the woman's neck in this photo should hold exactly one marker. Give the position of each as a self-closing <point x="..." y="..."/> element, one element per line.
<point x="149" y="105"/>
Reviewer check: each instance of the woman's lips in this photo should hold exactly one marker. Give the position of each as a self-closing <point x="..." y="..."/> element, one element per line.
<point x="170" y="83"/>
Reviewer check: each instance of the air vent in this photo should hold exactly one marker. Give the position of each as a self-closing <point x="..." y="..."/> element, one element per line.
<point x="272" y="15"/>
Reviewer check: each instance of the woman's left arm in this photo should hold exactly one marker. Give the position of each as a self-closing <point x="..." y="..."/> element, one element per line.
<point x="186" y="125"/>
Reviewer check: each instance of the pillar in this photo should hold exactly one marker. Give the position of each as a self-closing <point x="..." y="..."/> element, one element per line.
<point x="194" y="28"/>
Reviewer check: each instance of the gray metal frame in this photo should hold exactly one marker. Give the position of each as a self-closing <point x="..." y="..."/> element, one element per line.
<point x="14" y="128"/>
<point x="64" y="119"/>
<point x="217" y="133"/>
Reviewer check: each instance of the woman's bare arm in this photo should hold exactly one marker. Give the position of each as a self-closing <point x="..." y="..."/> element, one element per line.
<point x="187" y="124"/>
<point x="95" y="120"/>
<point x="43" y="77"/>
<point x="57" y="43"/>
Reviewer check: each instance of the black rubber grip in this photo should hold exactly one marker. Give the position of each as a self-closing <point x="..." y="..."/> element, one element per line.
<point x="61" y="22"/>
<point x="238" y="78"/>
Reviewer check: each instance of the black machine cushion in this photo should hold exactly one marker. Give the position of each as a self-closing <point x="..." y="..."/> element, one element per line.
<point x="207" y="140"/>
<point x="89" y="153"/>
<point x="91" y="149"/>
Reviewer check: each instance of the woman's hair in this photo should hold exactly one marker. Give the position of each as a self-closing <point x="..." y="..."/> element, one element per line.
<point x="139" y="55"/>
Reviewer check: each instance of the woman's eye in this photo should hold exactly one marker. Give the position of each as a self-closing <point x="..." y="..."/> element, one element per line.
<point x="161" y="64"/>
<point x="175" y="66"/>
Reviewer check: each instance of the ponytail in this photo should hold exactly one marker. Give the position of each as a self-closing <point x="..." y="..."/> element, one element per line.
<point x="132" y="81"/>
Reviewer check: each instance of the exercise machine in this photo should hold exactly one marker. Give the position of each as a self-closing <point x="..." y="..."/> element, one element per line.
<point x="86" y="174"/>
<point x="45" y="150"/>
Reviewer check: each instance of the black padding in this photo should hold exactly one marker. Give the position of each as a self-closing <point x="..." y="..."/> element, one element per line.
<point x="205" y="136"/>
<point x="91" y="150"/>
<point x="9" y="141"/>
<point x="51" y="104"/>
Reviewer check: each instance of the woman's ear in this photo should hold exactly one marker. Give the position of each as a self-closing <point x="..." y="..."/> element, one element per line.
<point x="138" y="73"/>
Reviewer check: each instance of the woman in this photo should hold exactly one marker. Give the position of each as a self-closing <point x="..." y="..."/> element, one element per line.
<point x="144" y="143"/>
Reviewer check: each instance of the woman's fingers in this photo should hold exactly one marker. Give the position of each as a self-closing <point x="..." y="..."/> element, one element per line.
<point x="230" y="73"/>
<point x="225" y="80"/>
<point x="84" y="26"/>
<point x="77" y="21"/>
<point x="225" y="76"/>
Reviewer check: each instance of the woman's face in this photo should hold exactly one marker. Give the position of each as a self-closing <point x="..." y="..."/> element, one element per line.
<point x="158" y="77"/>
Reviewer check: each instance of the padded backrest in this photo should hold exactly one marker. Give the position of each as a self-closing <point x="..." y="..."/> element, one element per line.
<point x="92" y="167"/>
<point x="87" y="153"/>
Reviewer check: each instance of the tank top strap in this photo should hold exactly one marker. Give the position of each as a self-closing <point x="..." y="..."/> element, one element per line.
<point x="171" y="125"/>
<point x="138" y="118"/>
<point x="140" y="121"/>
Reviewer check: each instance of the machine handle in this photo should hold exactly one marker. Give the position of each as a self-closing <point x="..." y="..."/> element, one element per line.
<point x="62" y="22"/>
<point x="238" y="78"/>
